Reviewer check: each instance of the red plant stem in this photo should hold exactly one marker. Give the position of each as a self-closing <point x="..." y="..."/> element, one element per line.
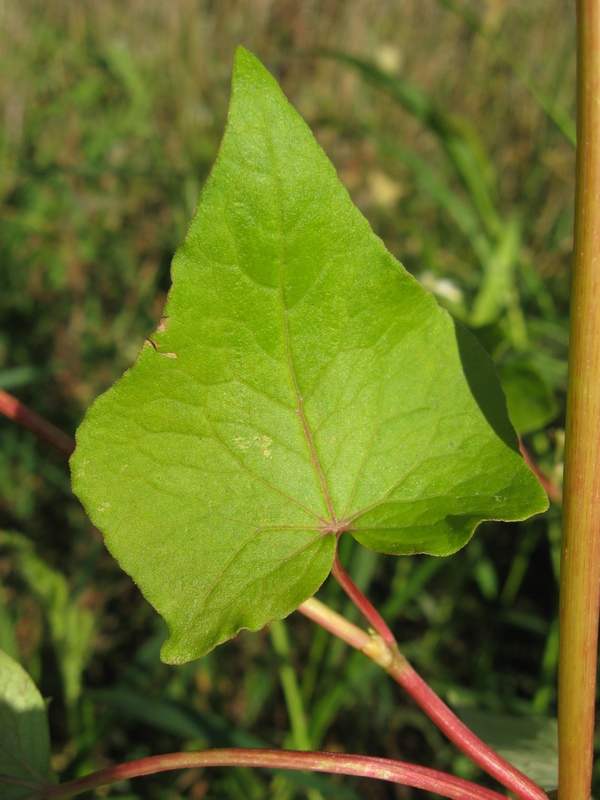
<point x="551" y="488"/>
<point x="388" y="657"/>
<point x="337" y="763"/>
<point x="458" y="733"/>
<point x="18" y="412"/>
<point x="364" y="605"/>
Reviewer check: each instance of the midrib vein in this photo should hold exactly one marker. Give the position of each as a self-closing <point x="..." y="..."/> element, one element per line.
<point x="300" y="400"/>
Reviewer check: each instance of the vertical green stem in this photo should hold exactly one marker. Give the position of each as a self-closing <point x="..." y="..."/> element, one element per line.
<point x="293" y="699"/>
<point x="580" y="565"/>
<point x="289" y="683"/>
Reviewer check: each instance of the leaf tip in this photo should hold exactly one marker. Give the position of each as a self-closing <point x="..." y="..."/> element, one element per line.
<point x="245" y="60"/>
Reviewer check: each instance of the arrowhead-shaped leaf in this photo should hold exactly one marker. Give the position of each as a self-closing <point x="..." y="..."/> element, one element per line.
<point x="301" y="384"/>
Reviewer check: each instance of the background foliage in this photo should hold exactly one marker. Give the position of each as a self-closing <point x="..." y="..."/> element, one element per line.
<point x="452" y="132"/>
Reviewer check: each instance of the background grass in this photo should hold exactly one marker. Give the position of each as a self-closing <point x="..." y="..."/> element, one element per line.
<point x="451" y="124"/>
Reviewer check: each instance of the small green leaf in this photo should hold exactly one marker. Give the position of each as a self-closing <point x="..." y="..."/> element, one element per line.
<point x="72" y="627"/>
<point x="24" y="740"/>
<point x="531" y="404"/>
<point x="529" y="743"/>
<point x="301" y="384"/>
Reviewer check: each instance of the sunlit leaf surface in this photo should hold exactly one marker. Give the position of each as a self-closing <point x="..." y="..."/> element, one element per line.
<point x="301" y="385"/>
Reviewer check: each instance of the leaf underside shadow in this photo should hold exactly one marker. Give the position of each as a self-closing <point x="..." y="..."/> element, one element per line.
<point x="24" y="738"/>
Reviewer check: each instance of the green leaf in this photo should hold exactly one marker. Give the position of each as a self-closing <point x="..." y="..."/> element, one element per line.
<point x="529" y="743"/>
<point x="531" y="404"/>
<point x="300" y="385"/>
<point x="72" y="627"/>
<point x="24" y="740"/>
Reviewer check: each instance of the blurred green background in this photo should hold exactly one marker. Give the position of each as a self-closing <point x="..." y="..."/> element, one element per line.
<point x="451" y="122"/>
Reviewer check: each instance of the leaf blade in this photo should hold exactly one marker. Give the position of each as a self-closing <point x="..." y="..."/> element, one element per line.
<point x="24" y="738"/>
<point x="249" y="432"/>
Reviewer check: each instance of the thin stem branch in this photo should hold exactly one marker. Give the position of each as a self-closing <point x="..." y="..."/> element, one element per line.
<point x="335" y="763"/>
<point x="388" y="657"/>
<point x="580" y="563"/>
<point x="299" y="737"/>
<point x="24" y="416"/>
<point x="551" y="487"/>
<point x="333" y="622"/>
<point x="462" y="736"/>
<point x="364" y="605"/>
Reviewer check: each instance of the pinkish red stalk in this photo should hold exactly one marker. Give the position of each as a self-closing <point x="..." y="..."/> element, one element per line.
<point x="435" y="708"/>
<point x="336" y="763"/>
<point x="19" y="413"/>
<point x="551" y="488"/>
<point x="366" y="608"/>
<point x="458" y="733"/>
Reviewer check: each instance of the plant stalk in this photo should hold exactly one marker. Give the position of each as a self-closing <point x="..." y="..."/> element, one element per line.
<point x="335" y="763"/>
<point x="24" y="416"/>
<point x="364" y="605"/>
<point x="580" y="561"/>
<point x="388" y="656"/>
<point x="462" y="736"/>
<point x="300" y="737"/>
